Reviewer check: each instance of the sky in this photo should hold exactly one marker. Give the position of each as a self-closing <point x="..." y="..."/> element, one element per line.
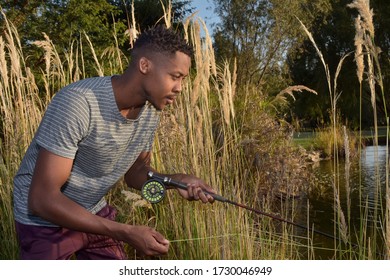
<point x="205" y="10"/>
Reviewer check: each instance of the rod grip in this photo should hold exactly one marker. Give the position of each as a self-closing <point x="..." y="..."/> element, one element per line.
<point x="168" y="181"/>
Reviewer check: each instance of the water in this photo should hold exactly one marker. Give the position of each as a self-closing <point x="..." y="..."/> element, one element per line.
<point x="358" y="186"/>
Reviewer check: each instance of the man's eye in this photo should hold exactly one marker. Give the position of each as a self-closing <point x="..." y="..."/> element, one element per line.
<point x="175" y="77"/>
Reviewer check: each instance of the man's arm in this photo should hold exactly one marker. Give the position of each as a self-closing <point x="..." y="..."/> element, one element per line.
<point x="136" y="176"/>
<point x="47" y="201"/>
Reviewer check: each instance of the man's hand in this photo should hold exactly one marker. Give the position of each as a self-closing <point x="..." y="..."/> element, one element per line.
<point x="145" y="240"/>
<point x="195" y="189"/>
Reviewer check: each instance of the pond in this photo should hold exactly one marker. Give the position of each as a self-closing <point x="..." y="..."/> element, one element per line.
<point x="361" y="185"/>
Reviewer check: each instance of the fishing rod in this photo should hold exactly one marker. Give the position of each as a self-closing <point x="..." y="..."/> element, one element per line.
<point x="154" y="191"/>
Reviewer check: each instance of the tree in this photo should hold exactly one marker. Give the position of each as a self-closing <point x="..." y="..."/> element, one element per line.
<point x="68" y="21"/>
<point x="150" y="12"/>
<point x="259" y="34"/>
<point x="61" y="20"/>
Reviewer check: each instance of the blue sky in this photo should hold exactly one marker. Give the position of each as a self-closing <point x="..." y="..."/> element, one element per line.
<point x="205" y="10"/>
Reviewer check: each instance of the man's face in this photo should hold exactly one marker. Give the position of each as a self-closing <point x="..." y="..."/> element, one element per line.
<point x="163" y="81"/>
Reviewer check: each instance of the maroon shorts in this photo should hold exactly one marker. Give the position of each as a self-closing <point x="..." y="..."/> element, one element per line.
<point x="50" y="243"/>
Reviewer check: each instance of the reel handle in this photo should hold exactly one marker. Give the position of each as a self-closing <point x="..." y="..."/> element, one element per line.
<point x="168" y="181"/>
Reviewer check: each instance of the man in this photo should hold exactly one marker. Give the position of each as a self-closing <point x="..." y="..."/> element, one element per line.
<point x="93" y="133"/>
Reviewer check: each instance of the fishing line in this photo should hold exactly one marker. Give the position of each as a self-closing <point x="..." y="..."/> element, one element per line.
<point x="154" y="191"/>
<point x="204" y="238"/>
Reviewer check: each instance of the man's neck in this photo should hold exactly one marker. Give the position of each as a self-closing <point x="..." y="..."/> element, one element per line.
<point x="125" y="91"/>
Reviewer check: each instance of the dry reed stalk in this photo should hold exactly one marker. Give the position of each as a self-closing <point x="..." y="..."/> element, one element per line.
<point x="117" y="49"/>
<point x="225" y="88"/>
<point x="347" y="168"/>
<point x="342" y="224"/>
<point x="337" y="73"/>
<point x="281" y="97"/>
<point x="98" y="67"/>
<point x="132" y="30"/>
<point x="199" y="85"/>
<point x="69" y="58"/>
<point x="374" y="77"/>
<point x="198" y="99"/>
<point x="4" y="85"/>
<point x="15" y="80"/>
<point x="364" y="37"/>
<point x="54" y="71"/>
<point x="77" y="71"/>
<point x="136" y="200"/>
<point x="363" y="7"/>
<point x="114" y="56"/>
<point x="224" y="85"/>
<point x="82" y="58"/>
<point x="371" y="83"/>
<point x="20" y="100"/>
<point x="46" y="45"/>
<point x="332" y="93"/>
<point x="208" y="45"/>
<point x="72" y="58"/>
<point x="167" y="13"/>
<point x="36" y="104"/>
<point x="203" y="56"/>
<point x="3" y="66"/>
<point x="319" y="53"/>
<point x="359" y="56"/>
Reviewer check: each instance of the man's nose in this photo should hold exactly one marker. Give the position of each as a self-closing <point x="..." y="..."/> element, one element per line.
<point x="178" y="87"/>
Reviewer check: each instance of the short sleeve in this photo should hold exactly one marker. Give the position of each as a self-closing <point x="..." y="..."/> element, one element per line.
<point x="64" y="124"/>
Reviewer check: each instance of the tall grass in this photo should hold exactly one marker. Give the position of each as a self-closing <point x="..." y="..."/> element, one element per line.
<point x="340" y="227"/>
<point x="372" y="236"/>
<point x="21" y="109"/>
<point x="367" y="57"/>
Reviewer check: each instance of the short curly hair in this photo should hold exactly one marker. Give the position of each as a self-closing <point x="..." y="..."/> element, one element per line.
<point x="160" y="39"/>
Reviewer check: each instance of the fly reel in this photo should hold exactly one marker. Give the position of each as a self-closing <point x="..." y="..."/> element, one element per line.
<point x="153" y="191"/>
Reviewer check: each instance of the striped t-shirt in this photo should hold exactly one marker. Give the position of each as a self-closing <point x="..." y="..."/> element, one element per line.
<point x="83" y="123"/>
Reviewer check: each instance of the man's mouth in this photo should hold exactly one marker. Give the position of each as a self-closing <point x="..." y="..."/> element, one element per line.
<point x="171" y="99"/>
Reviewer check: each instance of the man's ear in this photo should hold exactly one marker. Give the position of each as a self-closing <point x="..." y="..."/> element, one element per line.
<point x="144" y="65"/>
